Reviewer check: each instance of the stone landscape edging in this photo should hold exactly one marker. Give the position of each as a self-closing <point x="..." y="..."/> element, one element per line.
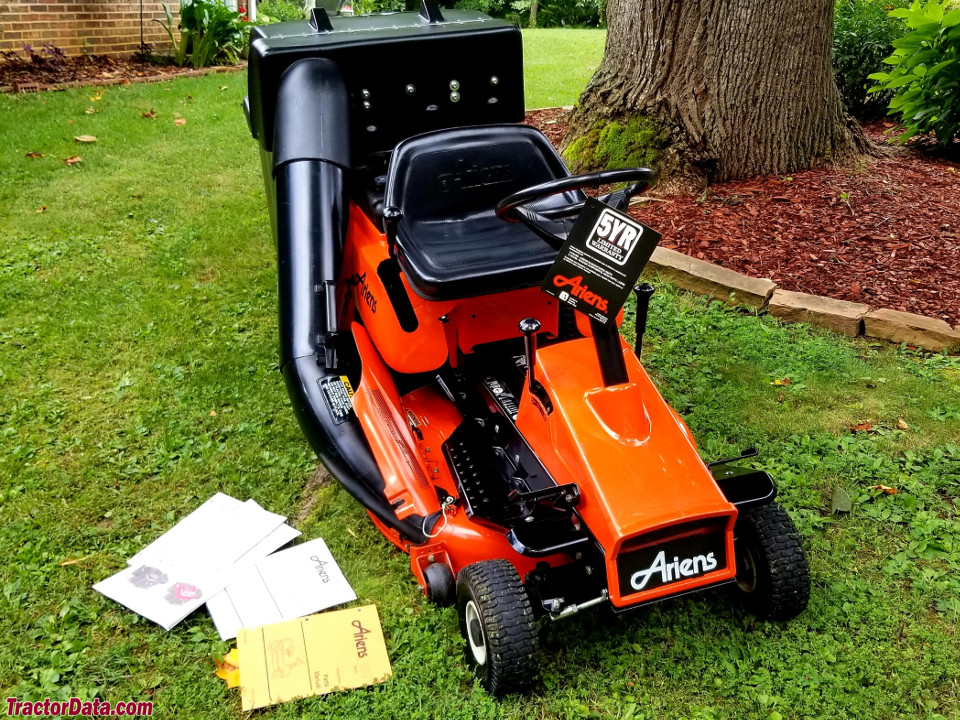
<point x="839" y="316"/>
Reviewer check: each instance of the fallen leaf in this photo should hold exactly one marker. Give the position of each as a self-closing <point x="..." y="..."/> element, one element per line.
<point x="72" y="561"/>
<point x="34" y="155"/>
<point x="95" y="98"/>
<point x="85" y="139"/>
<point x="228" y="668"/>
<point x="885" y="488"/>
<point x="180" y="121"/>
<point x="70" y="121"/>
<point x="780" y="397"/>
<point x="862" y="427"/>
<point x="90" y="110"/>
<point x="152" y="115"/>
<point x="902" y="424"/>
<point x="41" y="209"/>
<point x="213" y="413"/>
<point x="784" y="381"/>
<point x="840" y="502"/>
<point x="73" y="160"/>
<point x="223" y="87"/>
<point x="189" y="97"/>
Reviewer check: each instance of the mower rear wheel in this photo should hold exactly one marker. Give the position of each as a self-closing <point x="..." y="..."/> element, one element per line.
<point x="440" y="585"/>
<point x="497" y="622"/>
<point x="773" y="576"/>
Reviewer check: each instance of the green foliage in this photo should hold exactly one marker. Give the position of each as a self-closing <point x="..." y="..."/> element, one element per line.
<point x="495" y="8"/>
<point x="863" y="35"/>
<point x="572" y="13"/>
<point x="273" y="11"/>
<point x="615" y="145"/>
<point x="210" y="33"/>
<point x="366" y="7"/>
<point x="925" y="71"/>
<point x="550" y="13"/>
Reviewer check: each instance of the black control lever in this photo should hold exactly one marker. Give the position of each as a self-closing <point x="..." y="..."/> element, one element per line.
<point x="643" y="291"/>
<point x="529" y="327"/>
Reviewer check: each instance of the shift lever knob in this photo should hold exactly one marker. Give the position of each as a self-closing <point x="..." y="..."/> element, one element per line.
<point x="529" y="328"/>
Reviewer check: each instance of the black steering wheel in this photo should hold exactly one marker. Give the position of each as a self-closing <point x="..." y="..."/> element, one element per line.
<point x="553" y="223"/>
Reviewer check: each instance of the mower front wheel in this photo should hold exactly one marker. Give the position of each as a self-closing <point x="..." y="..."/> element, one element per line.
<point x="440" y="586"/>
<point x="773" y="577"/>
<point x="497" y="622"/>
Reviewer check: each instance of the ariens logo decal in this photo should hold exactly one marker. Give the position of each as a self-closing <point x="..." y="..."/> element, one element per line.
<point x="363" y="290"/>
<point x="673" y="571"/>
<point x="579" y="289"/>
<point x="614" y="237"/>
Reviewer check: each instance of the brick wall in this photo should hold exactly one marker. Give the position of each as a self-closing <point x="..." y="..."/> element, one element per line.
<point x="102" y="28"/>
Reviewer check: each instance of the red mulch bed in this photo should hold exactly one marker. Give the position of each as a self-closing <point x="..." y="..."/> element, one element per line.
<point x="886" y="234"/>
<point x="87" y="70"/>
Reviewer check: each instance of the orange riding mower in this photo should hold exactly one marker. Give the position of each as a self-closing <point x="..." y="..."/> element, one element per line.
<point x="450" y="301"/>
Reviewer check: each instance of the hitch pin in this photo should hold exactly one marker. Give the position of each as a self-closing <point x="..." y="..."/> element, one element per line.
<point x="574" y="609"/>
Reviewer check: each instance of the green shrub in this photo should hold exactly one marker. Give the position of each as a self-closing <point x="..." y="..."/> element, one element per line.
<point x="495" y="8"/>
<point x="925" y="71"/>
<point x="365" y="7"/>
<point x="271" y="11"/>
<point x="550" y="13"/>
<point x="572" y="13"/>
<point x="863" y="35"/>
<point x="210" y="32"/>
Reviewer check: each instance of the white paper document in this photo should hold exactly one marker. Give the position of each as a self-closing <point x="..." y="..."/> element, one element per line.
<point x="220" y="531"/>
<point x="283" y="586"/>
<point x="195" y="559"/>
<point x="219" y="605"/>
<point x="165" y="594"/>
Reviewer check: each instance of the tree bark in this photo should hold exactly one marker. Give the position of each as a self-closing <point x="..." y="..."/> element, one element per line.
<point x="739" y="87"/>
<point x="534" y="8"/>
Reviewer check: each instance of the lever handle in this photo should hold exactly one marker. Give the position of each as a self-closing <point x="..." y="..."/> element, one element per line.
<point x="529" y="327"/>
<point x="643" y="291"/>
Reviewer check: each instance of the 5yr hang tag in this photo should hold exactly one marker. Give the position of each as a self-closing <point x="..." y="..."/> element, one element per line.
<point x="600" y="261"/>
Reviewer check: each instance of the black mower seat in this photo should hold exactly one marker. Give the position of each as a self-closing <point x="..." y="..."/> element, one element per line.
<point x="447" y="183"/>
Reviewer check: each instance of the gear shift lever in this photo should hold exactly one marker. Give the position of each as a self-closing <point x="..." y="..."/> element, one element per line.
<point x="529" y="327"/>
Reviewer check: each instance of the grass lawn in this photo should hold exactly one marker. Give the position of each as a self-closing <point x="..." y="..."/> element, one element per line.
<point x="138" y="375"/>
<point x="558" y="63"/>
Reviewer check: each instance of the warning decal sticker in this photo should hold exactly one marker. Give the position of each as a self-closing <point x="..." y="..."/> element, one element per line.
<point x="337" y="396"/>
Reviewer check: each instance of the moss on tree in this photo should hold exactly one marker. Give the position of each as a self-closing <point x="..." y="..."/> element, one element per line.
<point x="611" y="145"/>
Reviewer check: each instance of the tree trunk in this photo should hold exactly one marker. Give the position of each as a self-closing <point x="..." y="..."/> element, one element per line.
<point x="534" y="8"/>
<point x="716" y="89"/>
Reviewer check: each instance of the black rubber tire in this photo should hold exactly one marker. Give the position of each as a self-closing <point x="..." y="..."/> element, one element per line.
<point x="441" y="587"/>
<point x="773" y="576"/>
<point x="503" y="623"/>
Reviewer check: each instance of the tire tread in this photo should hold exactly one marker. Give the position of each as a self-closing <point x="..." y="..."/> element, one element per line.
<point x="787" y="572"/>
<point x="509" y="626"/>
